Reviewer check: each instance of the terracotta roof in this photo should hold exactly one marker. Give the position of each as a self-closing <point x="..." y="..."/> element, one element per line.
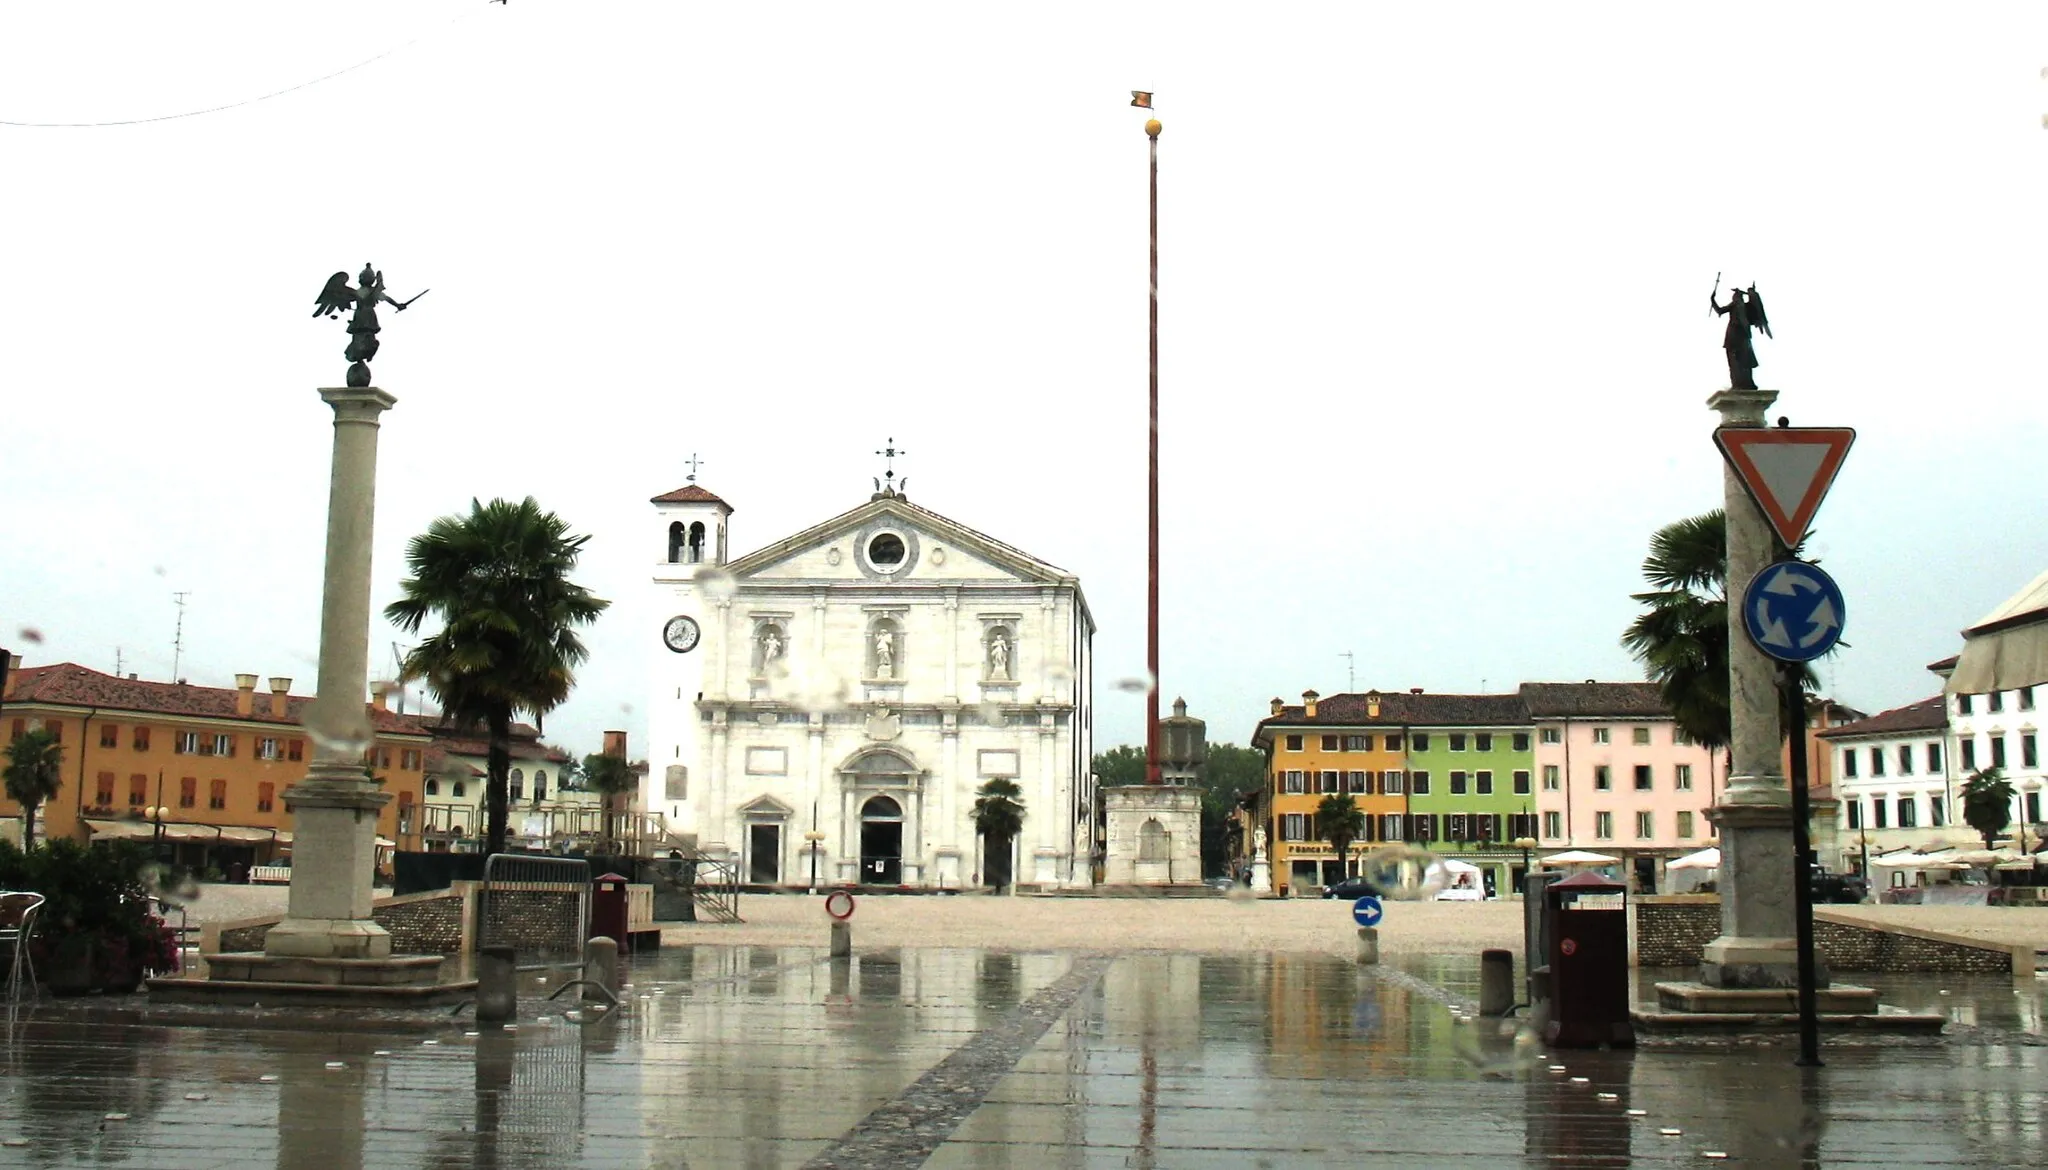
<point x="479" y="746"/>
<point x="1925" y="715"/>
<point x="1405" y="709"/>
<point x="1622" y="700"/>
<point x="689" y="493"/>
<point x="437" y="762"/>
<point x="1948" y="663"/>
<point x="67" y="684"/>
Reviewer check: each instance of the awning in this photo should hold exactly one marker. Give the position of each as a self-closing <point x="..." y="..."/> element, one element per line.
<point x="1580" y="857"/>
<point x="2008" y="649"/>
<point x="1914" y="859"/>
<point x="126" y="830"/>
<point x="1704" y="859"/>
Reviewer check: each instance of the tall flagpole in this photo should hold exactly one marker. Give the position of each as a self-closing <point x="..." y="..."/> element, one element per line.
<point x="1152" y="535"/>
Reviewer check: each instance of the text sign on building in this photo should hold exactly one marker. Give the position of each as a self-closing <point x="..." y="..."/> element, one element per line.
<point x="1793" y="611"/>
<point x="1787" y="470"/>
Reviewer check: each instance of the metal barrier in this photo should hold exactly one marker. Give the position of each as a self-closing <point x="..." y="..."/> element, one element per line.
<point x="537" y="905"/>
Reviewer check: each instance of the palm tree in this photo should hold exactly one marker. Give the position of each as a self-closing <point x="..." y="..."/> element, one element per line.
<point x="1987" y="803"/>
<point x="1340" y="823"/>
<point x="34" y="773"/>
<point x="998" y="816"/>
<point x="610" y="776"/>
<point x="498" y="581"/>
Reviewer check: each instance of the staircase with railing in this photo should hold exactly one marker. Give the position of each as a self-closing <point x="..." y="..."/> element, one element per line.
<point x="672" y="863"/>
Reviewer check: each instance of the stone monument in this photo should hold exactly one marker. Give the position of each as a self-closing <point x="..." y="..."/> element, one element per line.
<point x="1155" y="830"/>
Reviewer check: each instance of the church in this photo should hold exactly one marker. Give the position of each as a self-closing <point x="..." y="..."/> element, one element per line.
<point x="824" y="708"/>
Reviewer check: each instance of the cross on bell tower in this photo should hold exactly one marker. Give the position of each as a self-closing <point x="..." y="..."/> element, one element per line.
<point x="695" y="463"/>
<point x="887" y="485"/>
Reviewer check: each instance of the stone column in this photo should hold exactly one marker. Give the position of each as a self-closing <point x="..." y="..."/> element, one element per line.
<point x="334" y="809"/>
<point x="1756" y="946"/>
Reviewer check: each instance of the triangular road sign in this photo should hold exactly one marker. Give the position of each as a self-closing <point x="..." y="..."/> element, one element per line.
<point x="1787" y="470"/>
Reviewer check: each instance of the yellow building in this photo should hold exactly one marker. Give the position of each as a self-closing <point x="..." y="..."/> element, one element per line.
<point x="216" y="761"/>
<point x="1323" y="749"/>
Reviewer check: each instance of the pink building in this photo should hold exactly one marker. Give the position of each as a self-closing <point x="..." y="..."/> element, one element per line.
<point x="1615" y="776"/>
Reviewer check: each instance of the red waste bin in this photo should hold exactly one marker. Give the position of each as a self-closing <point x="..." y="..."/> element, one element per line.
<point x="1587" y="931"/>
<point x="608" y="916"/>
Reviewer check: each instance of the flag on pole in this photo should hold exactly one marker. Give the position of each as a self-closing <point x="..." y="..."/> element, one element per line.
<point x="1141" y="99"/>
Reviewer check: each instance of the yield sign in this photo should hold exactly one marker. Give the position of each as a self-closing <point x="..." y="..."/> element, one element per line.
<point x="1787" y="470"/>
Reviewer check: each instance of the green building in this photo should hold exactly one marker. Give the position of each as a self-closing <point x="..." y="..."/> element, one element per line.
<point x="1471" y="765"/>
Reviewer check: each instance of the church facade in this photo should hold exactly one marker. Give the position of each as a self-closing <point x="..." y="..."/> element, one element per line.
<point x="825" y="708"/>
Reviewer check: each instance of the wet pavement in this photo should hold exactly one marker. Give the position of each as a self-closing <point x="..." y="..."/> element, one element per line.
<point x="759" y="1056"/>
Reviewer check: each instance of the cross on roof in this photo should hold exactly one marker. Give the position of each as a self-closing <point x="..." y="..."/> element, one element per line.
<point x="695" y="463"/>
<point x="889" y="453"/>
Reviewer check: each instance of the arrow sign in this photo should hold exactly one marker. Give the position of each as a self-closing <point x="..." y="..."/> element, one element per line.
<point x="1786" y="470"/>
<point x="1793" y="611"/>
<point x="1366" y="911"/>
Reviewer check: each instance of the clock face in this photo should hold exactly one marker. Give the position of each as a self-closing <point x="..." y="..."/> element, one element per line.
<point x="680" y="634"/>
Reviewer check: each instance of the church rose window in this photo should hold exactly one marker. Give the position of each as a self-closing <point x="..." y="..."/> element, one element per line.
<point x="885" y="550"/>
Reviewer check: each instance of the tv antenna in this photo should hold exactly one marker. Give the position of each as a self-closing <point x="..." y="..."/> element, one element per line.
<point x="178" y="636"/>
<point x="1350" y="669"/>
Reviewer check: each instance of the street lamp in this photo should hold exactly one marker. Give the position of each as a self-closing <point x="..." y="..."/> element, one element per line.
<point x="1526" y="845"/>
<point x="817" y="844"/>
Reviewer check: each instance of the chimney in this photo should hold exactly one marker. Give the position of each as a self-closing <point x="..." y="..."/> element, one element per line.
<point x="615" y="744"/>
<point x="1308" y="703"/>
<point x="1414" y="690"/>
<point x="1278" y="706"/>
<point x="1372" y="704"/>
<point x="380" y="696"/>
<point x="245" y="694"/>
<point x="280" y="691"/>
<point x="11" y="675"/>
<point x="133" y="677"/>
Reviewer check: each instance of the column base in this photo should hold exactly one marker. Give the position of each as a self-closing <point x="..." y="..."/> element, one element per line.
<point x="1731" y="962"/>
<point x="327" y="938"/>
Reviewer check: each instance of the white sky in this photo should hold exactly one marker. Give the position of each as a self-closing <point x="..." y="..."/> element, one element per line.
<point x="1435" y="349"/>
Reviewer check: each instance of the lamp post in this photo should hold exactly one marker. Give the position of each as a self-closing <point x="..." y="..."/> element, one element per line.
<point x="816" y="844"/>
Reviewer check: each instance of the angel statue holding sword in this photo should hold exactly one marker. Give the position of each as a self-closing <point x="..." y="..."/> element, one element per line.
<point x="362" y="325"/>
<point x="1745" y="311"/>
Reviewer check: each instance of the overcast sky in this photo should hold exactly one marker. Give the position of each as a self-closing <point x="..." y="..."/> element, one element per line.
<point x="1435" y="339"/>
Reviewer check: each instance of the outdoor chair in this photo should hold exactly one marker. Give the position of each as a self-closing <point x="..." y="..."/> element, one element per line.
<point x="17" y="923"/>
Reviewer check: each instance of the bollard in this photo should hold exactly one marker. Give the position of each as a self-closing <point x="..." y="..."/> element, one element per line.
<point x="1496" y="982"/>
<point x="497" y="984"/>
<point x="842" y="940"/>
<point x="1368" y="944"/>
<point x="601" y="966"/>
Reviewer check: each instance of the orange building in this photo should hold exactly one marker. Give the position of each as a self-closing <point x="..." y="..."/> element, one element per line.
<point x="1309" y="760"/>
<point x="215" y="760"/>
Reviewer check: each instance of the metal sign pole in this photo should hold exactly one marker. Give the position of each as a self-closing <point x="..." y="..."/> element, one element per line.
<point x="1792" y="686"/>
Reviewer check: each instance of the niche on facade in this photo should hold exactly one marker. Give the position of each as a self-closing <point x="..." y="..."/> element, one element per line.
<point x="1151" y="841"/>
<point x="885" y="649"/>
<point x="771" y="647"/>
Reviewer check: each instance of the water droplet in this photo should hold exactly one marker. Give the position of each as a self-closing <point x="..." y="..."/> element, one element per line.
<point x="626" y="708"/>
<point x="334" y="1064"/>
<point x="1136" y="684"/>
<point x="991" y="713"/>
<point x="472" y="1034"/>
<point x="716" y="583"/>
<point x="158" y="570"/>
<point x="30" y="635"/>
<point x="340" y="731"/>
<point x="511" y="1027"/>
<point x="195" y="1096"/>
<point x="268" y="1078"/>
<point x="1638" y="1113"/>
<point x="117" y="1117"/>
<point x="1671" y="1131"/>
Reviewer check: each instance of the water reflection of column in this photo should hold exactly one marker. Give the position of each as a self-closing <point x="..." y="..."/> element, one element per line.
<point x="320" y="1120"/>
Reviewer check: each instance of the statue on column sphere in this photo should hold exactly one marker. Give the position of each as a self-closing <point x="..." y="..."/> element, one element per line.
<point x="1745" y="311"/>
<point x="362" y="324"/>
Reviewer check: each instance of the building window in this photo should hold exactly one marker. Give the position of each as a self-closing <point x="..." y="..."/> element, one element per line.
<point x="1291" y="781"/>
<point x="110" y="735"/>
<point x="1393" y="783"/>
<point x="103" y="791"/>
<point x="1522" y="785"/>
<point x="141" y="739"/>
<point x="1603" y="826"/>
<point x="540" y="785"/>
<point x="1995" y="701"/>
<point x="1934" y="757"/>
<point x="1424" y="825"/>
<point x="1550" y="778"/>
<point x="1642" y="777"/>
<point x="409" y="760"/>
<point x="1646" y="825"/>
<point x="433" y="787"/>
<point x="1681" y="777"/>
<point x="2029" y="754"/>
<point x="1600" y="735"/>
<point x="1907" y="819"/>
<point x="1329" y="743"/>
<point x="1962" y="704"/>
<point x="1359" y="782"/>
<point x="1552" y="735"/>
<point x="1855" y="807"/>
<point x="1482" y="783"/>
<point x="404" y="813"/>
<point x="1878" y="811"/>
<point x="138" y="790"/>
<point x="2034" y="807"/>
<point x="1358" y="743"/>
<point x="457" y="790"/>
<point x="188" y="792"/>
<point x="1685" y="826"/>
<point x="1392" y="743"/>
<point x="1294" y="827"/>
<point x="1459" y="827"/>
<point x="1998" y="750"/>
<point x="517" y="789"/>
<point x="217" y="794"/>
<point x="1420" y="741"/>
<point x="1849" y="764"/>
<point x="186" y="743"/>
<point x="1521" y="742"/>
<point x="1876" y="762"/>
<point x="1457" y="784"/>
<point x="1293" y="743"/>
<point x="1419" y="783"/>
<point x="1937" y="814"/>
<point x="1457" y="741"/>
<point x="1905" y="759"/>
<point x="1603" y="779"/>
<point x="1553" y="825"/>
<point x="1328" y="784"/>
<point x="1641" y="736"/>
<point x="223" y="745"/>
<point x="2026" y="698"/>
<point x="1391" y="827"/>
<point x="266" y="749"/>
<point x="1482" y="742"/>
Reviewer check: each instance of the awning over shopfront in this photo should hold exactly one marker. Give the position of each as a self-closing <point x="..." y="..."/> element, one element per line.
<point x="124" y="830"/>
<point x="2008" y="649"/>
<point x="1704" y="859"/>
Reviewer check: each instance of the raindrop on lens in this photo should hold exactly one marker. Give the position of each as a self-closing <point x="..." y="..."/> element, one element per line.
<point x="31" y="635"/>
<point x="1136" y="685"/>
<point x="991" y="713"/>
<point x="716" y="583"/>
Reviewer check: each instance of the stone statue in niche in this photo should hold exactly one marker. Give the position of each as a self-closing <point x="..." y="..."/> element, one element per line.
<point x="1259" y="843"/>
<point x="998" y="655"/>
<point x="885" y="653"/>
<point x="771" y="644"/>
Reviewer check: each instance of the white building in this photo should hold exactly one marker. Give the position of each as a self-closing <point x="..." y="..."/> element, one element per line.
<point x="859" y="681"/>
<point x="1896" y="784"/>
<point x="2000" y="729"/>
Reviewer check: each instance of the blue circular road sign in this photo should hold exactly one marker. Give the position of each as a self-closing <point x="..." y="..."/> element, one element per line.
<point x="1366" y="911"/>
<point x="1793" y="611"/>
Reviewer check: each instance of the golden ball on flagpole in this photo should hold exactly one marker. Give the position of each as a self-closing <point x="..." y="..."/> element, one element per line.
<point x="1152" y="128"/>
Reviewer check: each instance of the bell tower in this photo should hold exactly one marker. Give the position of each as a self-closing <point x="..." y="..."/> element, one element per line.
<point x="688" y="538"/>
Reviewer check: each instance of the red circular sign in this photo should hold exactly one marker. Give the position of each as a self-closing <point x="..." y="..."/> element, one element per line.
<point x="839" y="904"/>
<point x="1569" y="947"/>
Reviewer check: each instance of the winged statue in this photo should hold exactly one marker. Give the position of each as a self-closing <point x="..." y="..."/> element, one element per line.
<point x="362" y="324"/>
<point x="1745" y="312"/>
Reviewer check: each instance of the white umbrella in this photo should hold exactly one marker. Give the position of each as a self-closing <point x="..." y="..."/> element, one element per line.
<point x="1704" y="859"/>
<point x="1985" y="857"/>
<point x="1453" y="865"/>
<point x="1580" y="857"/>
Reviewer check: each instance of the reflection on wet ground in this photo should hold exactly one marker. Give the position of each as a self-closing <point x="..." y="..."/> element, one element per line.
<point x="757" y="1056"/>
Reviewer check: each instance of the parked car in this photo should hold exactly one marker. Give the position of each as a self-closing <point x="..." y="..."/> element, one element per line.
<point x="1351" y="889"/>
<point x="1838" y="887"/>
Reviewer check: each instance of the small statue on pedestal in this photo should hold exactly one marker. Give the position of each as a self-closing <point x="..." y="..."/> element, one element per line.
<point x="362" y="325"/>
<point x="1745" y="311"/>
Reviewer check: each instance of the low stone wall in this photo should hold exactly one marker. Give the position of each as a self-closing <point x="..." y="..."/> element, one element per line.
<point x="420" y="924"/>
<point x="1673" y="930"/>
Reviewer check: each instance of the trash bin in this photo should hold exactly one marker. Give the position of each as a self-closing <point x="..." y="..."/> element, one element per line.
<point x="608" y="909"/>
<point x="1586" y="933"/>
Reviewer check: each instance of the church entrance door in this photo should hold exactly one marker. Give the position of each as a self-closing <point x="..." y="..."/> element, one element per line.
<point x="881" y="842"/>
<point x="764" y="854"/>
